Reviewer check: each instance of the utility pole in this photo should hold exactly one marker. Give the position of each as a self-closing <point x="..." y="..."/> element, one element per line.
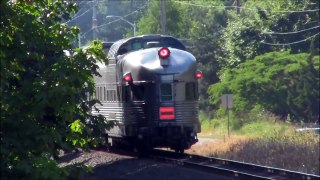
<point x="162" y="17"/>
<point x="238" y="6"/>
<point x="79" y="40"/>
<point x="79" y="36"/>
<point x="134" y="25"/>
<point x="94" y="20"/>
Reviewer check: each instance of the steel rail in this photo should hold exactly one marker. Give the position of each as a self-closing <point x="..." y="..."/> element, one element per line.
<point x="230" y="168"/>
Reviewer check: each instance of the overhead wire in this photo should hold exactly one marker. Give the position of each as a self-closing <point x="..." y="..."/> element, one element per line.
<point x="286" y="44"/>
<point x="81" y="4"/>
<point x="199" y="5"/>
<point x="292" y="32"/>
<point x="219" y="6"/>
<point x="271" y="33"/>
<point x="119" y="19"/>
<point x="78" y="16"/>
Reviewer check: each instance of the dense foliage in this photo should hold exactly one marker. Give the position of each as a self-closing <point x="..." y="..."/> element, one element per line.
<point x="150" y="24"/>
<point x="269" y="26"/>
<point x="264" y="26"/>
<point x="283" y="83"/>
<point x="44" y="87"/>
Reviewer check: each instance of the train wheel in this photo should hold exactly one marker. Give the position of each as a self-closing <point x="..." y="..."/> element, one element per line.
<point x="107" y="145"/>
<point x="144" y="147"/>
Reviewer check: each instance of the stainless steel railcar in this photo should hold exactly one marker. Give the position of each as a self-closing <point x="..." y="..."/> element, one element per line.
<point x="150" y="88"/>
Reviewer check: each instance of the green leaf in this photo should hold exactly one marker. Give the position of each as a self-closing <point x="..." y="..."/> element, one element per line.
<point x="76" y="126"/>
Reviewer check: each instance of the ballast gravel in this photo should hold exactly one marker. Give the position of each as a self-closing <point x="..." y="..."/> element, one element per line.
<point x="116" y="166"/>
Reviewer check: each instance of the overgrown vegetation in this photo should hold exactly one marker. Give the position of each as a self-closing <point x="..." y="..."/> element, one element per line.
<point x="44" y="88"/>
<point x="281" y="151"/>
<point x="279" y="82"/>
<point x="265" y="141"/>
<point x="260" y="124"/>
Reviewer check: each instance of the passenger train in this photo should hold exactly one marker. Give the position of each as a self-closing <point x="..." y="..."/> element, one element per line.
<point x="150" y="88"/>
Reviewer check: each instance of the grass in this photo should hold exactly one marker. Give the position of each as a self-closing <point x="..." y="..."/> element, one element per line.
<point x="263" y="142"/>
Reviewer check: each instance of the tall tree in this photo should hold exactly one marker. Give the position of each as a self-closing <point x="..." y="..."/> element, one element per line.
<point x="263" y="26"/>
<point x="150" y="23"/>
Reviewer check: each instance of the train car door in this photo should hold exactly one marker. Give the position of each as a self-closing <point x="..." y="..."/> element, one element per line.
<point x="167" y="92"/>
<point x="167" y="89"/>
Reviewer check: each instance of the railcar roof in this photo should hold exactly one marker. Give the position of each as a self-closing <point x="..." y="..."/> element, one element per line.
<point x="142" y="42"/>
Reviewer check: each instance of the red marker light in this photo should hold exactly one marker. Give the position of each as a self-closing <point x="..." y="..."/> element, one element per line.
<point x="127" y="77"/>
<point x="164" y="53"/>
<point x="167" y="113"/>
<point x="198" y="74"/>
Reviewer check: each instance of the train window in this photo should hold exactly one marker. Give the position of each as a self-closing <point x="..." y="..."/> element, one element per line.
<point x="111" y="95"/>
<point x="136" y="46"/>
<point x="101" y="95"/>
<point x="97" y="93"/>
<point x="191" y="91"/>
<point x="108" y="95"/>
<point x="122" y="51"/>
<point x="114" y="97"/>
<point x="152" y="44"/>
<point x="166" y="92"/>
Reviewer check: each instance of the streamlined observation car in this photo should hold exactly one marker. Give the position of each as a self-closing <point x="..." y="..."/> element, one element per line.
<point x="150" y="88"/>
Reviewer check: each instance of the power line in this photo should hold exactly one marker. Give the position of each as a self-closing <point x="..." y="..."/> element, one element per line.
<point x="292" y="32"/>
<point x="162" y="17"/>
<point x="84" y="34"/>
<point x="122" y="17"/>
<point x="79" y="11"/>
<point x="286" y="44"/>
<point x="78" y="16"/>
<point x="81" y="4"/>
<point x="222" y="7"/>
<point x="146" y="4"/>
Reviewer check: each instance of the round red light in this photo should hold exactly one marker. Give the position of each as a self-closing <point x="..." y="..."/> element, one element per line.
<point x="198" y="74"/>
<point x="164" y="53"/>
<point x="127" y="77"/>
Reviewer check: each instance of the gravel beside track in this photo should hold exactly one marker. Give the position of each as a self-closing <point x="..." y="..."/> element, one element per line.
<point x="116" y="166"/>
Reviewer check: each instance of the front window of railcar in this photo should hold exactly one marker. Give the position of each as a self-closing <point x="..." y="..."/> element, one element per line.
<point x="166" y="92"/>
<point x="136" y="45"/>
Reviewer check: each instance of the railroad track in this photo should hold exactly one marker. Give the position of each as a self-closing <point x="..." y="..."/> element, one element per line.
<point x="230" y="168"/>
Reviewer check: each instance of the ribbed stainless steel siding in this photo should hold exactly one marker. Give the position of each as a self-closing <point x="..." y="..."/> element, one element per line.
<point x="186" y="112"/>
<point x="124" y="113"/>
<point x="134" y="112"/>
<point x="107" y="109"/>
